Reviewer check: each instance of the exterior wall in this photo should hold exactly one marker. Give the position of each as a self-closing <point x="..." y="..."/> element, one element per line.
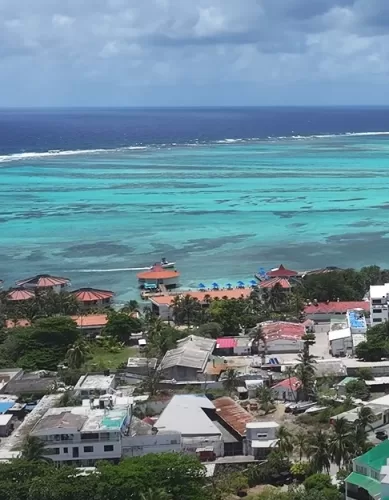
<point x="158" y="443"/>
<point x="5" y="429"/>
<point x="242" y="350"/>
<point x="341" y="346"/>
<point x="168" y="282"/>
<point x="379" y="312"/>
<point x="283" y="345"/>
<point x="191" y="443"/>
<point x="324" y="317"/>
<point x="163" y="311"/>
<point x="284" y="393"/>
<point x="99" y="450"/>
<point x="181" y="373"/>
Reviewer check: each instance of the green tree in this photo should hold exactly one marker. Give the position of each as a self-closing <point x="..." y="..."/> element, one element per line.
<point x="318" y="481"/>
<point x="357" y="389"/>
<point x="77" y="354"/>
<point x="285" y="441"/>
<point x="130" y="307"/>
<point x="340" y="441"/>
<point x="259" y="338"/>
<point x="33" y="449"/>
<point x="319" y="452"/>
<point x="265" y="398"/>
<point x="121" y="326"/>
<point x="186" y="310"/>
<point x="231" y="380"/>
<point x="300" y="440"/>
<point x="210" y="330"/>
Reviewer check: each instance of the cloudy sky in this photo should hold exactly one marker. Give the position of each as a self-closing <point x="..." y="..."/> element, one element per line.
<point x="193" y="52"/>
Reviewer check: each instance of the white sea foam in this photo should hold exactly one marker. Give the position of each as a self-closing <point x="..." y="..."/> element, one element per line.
<point x="56" y="152"/>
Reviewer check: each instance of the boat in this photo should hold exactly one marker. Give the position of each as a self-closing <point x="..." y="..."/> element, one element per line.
<point x="165" y="264"/>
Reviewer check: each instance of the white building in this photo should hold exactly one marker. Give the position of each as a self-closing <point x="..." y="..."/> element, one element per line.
<point x="261" y="438"/>
<point x="287" y="390"/>
<point x="346" y="333"/>
<point x="190" y="416"/>
<point x="103" y="429"/>
<point x="379" y="303"/>
<point x="94" y="385"/>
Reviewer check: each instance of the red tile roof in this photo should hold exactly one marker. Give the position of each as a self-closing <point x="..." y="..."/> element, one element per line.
<point x="226" y="343"/>
<point x="92" y="294"/>
<point x="235" y="293"/>
<point x="293" y="383"/>
<point x="232" y="414"/>
<point x="283" y="330"/>
<point x="91" y="320"/>
<point x="20" y="294"/>
<point x="43" y="281"/>
<point x="281" y="272"/>
<point x="158" y="273"/>
<point x="271" y="283"/>
<point x="335" y="307"/>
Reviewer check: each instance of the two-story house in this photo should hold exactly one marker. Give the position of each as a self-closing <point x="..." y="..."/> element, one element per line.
<point x="368" y="481"/>
<point x="379" y="303"/>
<point x="261" y="438"/>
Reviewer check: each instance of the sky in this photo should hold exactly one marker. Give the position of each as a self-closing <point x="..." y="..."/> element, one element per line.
<point x="193" y="52"/>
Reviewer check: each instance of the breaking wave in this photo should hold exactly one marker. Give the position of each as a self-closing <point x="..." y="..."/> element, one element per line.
<point x="116" y="270"/>
<point x="194" y="143"/>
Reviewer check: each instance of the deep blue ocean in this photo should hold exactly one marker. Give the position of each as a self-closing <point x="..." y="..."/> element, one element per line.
<point x="93" y="194"/>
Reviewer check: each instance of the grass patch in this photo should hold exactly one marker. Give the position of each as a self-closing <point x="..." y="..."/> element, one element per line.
<point x="101" y="357"/>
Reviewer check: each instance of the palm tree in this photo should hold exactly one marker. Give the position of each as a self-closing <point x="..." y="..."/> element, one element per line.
<point x="365" y="417"/>
<point x="155" y="495"/>
<point x="33" y="449"/>
<point x="265" y="398"/>
<point x="130" y="307"/>
<point x="185" y="309"/>
<point x="290" y="373"/>
<point x="305" y="370"/>
<point x="318" y="451"/>
<point x="277" y="297"/>
<point x="285" y="441"/>
<point x="231" y="381"/>
<point x="77" y="354"/>
<point x="340" y="441"/>
<point x="257" y="335"/>
<point x="301" y="441"/>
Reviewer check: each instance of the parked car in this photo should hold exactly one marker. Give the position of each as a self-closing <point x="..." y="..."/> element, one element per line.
<point x="381" y="435"/>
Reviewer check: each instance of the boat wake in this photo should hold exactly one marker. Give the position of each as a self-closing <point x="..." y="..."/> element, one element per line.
<point x="227" y="141"/>
<point x="116" y="270"/>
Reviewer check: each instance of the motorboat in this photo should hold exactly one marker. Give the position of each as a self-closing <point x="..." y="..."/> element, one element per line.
<point x="165" y="264"/>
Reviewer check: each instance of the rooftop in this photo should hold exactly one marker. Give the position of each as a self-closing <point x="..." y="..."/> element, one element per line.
<point x="346" y="380"/>
<point x="292" y="383"/>
<point x="82" y="419"/>
<point x="4" y="419"/>
<point x="142" y="362"/>
<point x="192" y="352"/>
<point x="376" y="457"/>
<point x="43" y="281"/>
<point x="281" y="271"/>
<point x="157" y="272"/>
<point x="232" y="414"/>
<point x="369" y="484"/>
<point x="6" y="405"/>
<point x="343" y="333"/>
<point x="356" y="319"/>
<point x="185" y="414"/>
<point x="272" y="282"/>
<point x="274" y="330"/>
<point x="234" y="293"/>
<point x="91" y="320"/>
<point x="226" y="343"/>
<point x="19" y="294"/>
<point x="263" y="425"/>
<point x="92" y="294"/>
<point x="335" y="307"/>
<point x="379" y="291"/>
<point x="338" y="323"/>
<point x="94" y="382"/>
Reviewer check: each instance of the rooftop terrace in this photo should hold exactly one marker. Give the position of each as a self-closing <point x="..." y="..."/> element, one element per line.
<point x="356" y="319"/>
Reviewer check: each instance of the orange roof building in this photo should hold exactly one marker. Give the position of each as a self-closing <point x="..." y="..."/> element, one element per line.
<point x="90" y="297"/>
<point x="20" y="294"/>
<point x="43" y="281"/>
<point x="272" y="282"/>
<point x="157" y="276"/>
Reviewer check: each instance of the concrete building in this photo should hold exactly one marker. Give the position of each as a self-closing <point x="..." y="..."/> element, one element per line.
<point x="229" y="346"/>
<point x="282" y="336"/>
<point x="189" y="360"/>
<point x="346" y="333"/>
<point x="324" y="311"/>
<point x="261" y="438"/>
<point x="161" y="305"/>
<point x="5" y="425"/>
<point x="101" y="429"/>
<point x="141" y="366"/>
<point x="369" y="479"/>
<point x="287" y="390"/>
<point x="192" y="417"/>
<point x="94" y="385"/>
<point x="379" y="303"/>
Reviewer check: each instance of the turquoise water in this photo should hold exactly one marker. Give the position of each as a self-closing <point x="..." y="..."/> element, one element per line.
<point x="220" y="211"/>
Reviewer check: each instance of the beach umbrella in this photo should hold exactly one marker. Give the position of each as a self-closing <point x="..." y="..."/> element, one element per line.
<point x="240" y="284"/>
<point x="228" y="285"/>
<point x="253" y="283"/>
<point x="201" y="286"/>
<point x="215" y="285"/>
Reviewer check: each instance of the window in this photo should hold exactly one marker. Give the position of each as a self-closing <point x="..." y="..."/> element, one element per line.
<point x="91" y="436"/>
<point x="52" y="451"/>
<point x="262" y="435"/>
<point x="108" y="447"/>
<point x="88" y="449"/>
<point x="66" y="450"/>
<point x="377" y="310"/>
<point x="376" y="320"/>
<point x="377" y="302"/>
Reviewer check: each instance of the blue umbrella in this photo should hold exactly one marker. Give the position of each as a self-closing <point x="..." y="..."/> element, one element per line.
<point x="201" y="286"/>
<point x="253" y="283"/>
<point x="228" y="285"/>
<point x="240" y="283"/>
<point x="215" y="285"/>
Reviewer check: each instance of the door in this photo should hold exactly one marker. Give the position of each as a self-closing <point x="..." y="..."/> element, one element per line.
<point x="75" y="452"/>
